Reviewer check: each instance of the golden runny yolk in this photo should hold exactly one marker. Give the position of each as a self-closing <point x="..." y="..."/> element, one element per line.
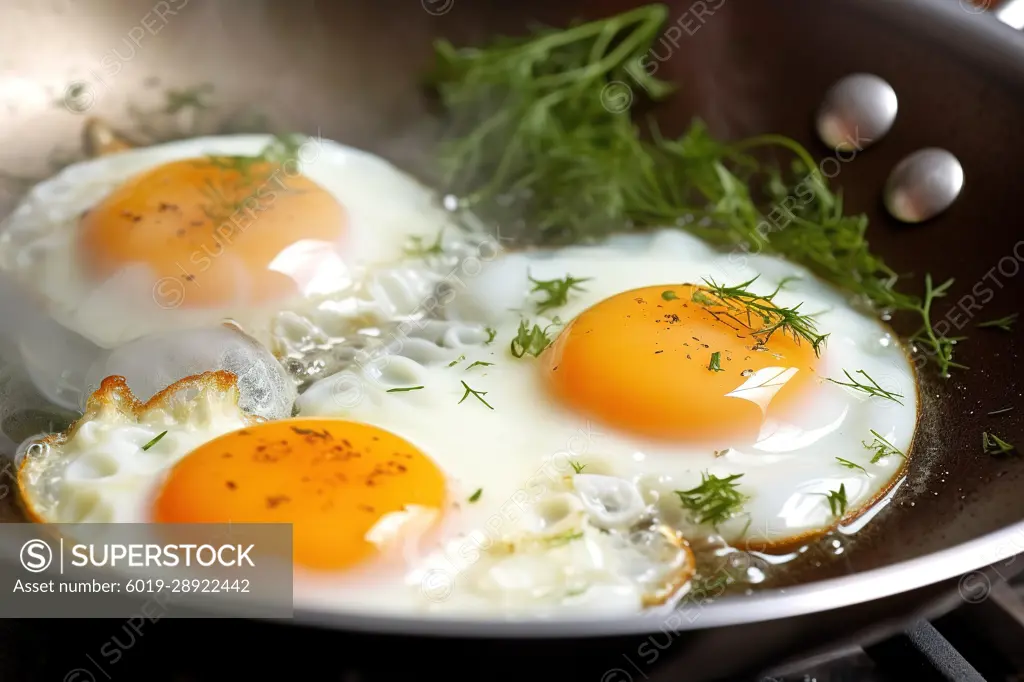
<point x="181" y="218"/>
<point x="641" y="361"/>
<point x="332" y="479"/>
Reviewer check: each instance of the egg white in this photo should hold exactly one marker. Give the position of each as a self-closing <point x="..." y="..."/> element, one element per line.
<point x="110" y="464"/>
<point x="517" y="451"/>
<point x="65" y="318"/>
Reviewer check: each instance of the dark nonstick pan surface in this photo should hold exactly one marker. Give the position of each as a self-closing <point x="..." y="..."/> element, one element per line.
<point x="351" y="70"/>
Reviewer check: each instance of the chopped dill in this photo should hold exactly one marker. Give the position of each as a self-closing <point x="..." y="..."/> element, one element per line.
<point x="476" y="394"/>
<point x="476" y="496"/>
<point x="479" y="363"/>
<point x="715" y="500"/>
<point x="416" y="248"/>
<point x="882" y="447"/>
<point x="836" y="500"/>
<point x="728" y="302"/>
<point x="850" y="465"/>
<point x="556" y="291"/>
<point x="491" y="333"/>
<point x="562" y="538"/>
<point x="716" y="362"/>
<point x="456" y="360"/>
<point x="529" y="340"/>
<point x="194" y="98"/>
<point x="871" y="388"/>
<point x="533" y="141"/>
<point x="1002" y="410"/>
<point x="991" y="444"/>
<point x="938" y="347"/>
<point x="668" y="295"/>
<point x="1004" y="323"/>
<point x="153" y="442"/>
<point x="403" y="390"/>
<point x="577" y="467"/>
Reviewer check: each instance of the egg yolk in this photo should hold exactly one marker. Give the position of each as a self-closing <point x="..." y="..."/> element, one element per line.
<point x="656" y="362"/>
<point x="331" y="479"/>
<point x="180" y="219"/>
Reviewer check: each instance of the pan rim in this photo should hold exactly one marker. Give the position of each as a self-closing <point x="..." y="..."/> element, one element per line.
<point x="963" y="560"/>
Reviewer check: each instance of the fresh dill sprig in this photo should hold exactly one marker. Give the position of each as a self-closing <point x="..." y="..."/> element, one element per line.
<point x="991" y="444"/>
<point x="851" y="465"/>
<point x="716" y="362"/>
<point x="556" y="291"/>
<point x="1004" y="323"/>
<point x="715" y="500"/>
<point x="882" y="447"/>
<point x="577" y="467"/>
<point x="194" y="98"/>
<point x="736" y="302"/>
<point x="403" y="390"/>
<point x="562" y="538"/>
<point x="530" y="340"/>
<point x="417" y="248"/>
<point x="456" y="360"/>
<point x="156" y="439"/>
<point x="283" y="148"/>
<point x="871" y="388"/>
<point x="836" y="500"/>
<point x="479" y="363"/>
<point x="476" y="495"/>
<point x="938" y="347"/>
<point x="536" y="138"/>
<point x="476" y="394"/>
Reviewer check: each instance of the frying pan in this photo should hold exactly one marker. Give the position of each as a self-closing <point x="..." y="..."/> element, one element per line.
<point x="351" y="70"/>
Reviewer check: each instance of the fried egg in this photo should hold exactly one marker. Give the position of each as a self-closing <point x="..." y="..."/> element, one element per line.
<point x="702" y="423"/>
<point x="191" y="233"/>
<point x="361" y="500"/>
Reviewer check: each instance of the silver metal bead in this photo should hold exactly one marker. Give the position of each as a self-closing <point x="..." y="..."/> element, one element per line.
<point x="857" y="112"/>
<point x="923" y="185"/>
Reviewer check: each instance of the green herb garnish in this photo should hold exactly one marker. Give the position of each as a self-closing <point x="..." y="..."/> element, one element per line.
<point x="529" y="340"/>
<point x="541" y="135"/>
<point x="836" y="500"/>
<point x="850" y="465"/>
<point x="740" y="305"/>
<point x="562" y="538"/>
<point x="938" y="347"/>
<point x="476" y="394"/>
<point x="668" y="295"/>
<point x="456" y="360"/>
<point x="991" y="444"/>
<point x="556" y="291"/>
<point x="1004" y="323"/>
<point x="577" y="467"/>
<point x="882" y="447"/>
<point x="403" y="390"/>
<point x="715" y="500"/>
<point x="417" y="248"/>
<point x="156" y="439"/>
<point x="871" y="388"/>
<point x="491" y="333"/>
<point x="716" y="362"/>
<point x="479" y="363"/>
<point x="1002" y="410"/>
<point x="195" y="98"/>
<point x="476" y="496"/>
